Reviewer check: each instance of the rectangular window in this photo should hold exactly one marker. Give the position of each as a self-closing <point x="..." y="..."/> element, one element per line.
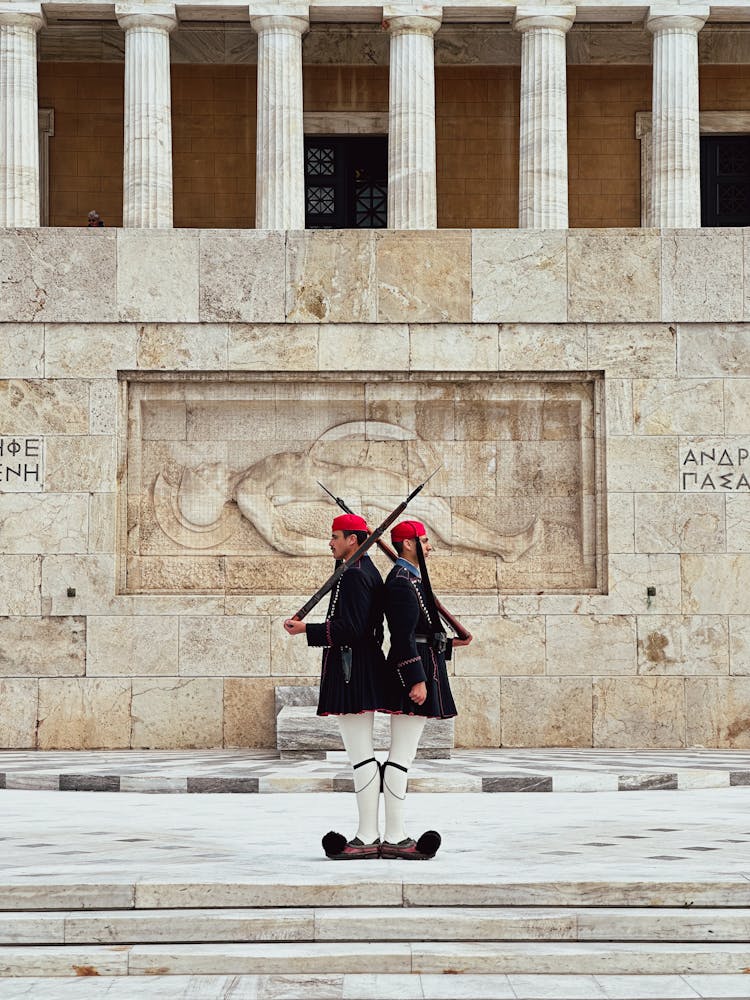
<point x="725" y="180"/>
<point x="346" y="182"/>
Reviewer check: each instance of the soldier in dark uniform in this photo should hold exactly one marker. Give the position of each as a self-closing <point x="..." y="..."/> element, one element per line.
<point x="352" y="676"/>
<point x="416" y="685"/>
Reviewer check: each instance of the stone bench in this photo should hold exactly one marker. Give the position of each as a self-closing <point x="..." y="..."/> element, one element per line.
<point x="300" y="733"/>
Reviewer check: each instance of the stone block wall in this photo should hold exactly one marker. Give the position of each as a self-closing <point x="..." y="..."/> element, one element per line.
<point x="658" y="655"/>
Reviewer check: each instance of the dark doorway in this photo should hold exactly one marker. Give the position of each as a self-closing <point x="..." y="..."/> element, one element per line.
<point x="725" y="180"/>
<point x="346" y="182"/>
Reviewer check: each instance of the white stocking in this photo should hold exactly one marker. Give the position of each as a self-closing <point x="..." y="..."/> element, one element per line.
<point x="356" y="732"/>
<point x="406" y="731"/>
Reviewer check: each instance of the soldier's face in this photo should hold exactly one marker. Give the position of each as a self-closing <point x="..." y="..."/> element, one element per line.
<point x="410" y="547"/>
<point x="426" y="547"/>
<point x="342" y="545"/>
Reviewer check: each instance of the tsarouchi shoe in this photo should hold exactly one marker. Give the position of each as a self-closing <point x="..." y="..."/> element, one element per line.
<point x="413" y="850"/>
<point x="337" y="848"/>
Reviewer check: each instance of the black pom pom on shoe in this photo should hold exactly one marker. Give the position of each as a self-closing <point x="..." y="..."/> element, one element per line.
<point x="334" y="843"/>
<point x="429" y="843"/>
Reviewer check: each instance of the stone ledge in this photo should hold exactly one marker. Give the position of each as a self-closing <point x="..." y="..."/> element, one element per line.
<point x="575" y="275"/>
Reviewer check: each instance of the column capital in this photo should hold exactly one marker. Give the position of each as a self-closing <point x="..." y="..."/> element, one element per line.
<point x="420" y="19"/>
<point x="558" y="16"/>
<point x="27" y="15"/>
<point x="156" y="15"/>
<point x="291" y="16"/>
<point x="665" y="17"/>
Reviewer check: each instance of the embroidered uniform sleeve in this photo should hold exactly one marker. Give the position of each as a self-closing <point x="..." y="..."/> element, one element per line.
<point x="402" y="614"/>
<point x="351" y="619"/>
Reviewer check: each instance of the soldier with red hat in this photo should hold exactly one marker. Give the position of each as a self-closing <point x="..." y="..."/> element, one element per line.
<point x="416" y="685"/>
<point x="352" y="677"/>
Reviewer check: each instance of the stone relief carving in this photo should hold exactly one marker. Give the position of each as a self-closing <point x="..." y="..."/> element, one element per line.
<point x="200" y="510"/>
<point x="221" y="490"/>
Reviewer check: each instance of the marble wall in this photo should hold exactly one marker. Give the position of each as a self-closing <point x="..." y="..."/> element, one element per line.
<point x="97" y="324"/>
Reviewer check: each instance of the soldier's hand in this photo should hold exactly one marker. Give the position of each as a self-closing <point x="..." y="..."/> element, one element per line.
<point x="418" y="693"/>
<point x="294" y="627"/>
<point x="462" y="642"/>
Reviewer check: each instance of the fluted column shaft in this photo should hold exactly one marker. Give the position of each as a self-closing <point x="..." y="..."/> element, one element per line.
<point x="147" y="159"/>
<point x="280" y="153"/>
<point x="412" y="160"/>
<point x="543" y="150"/>
<point x="675" y="178"/>
<point x="19" y="127"/>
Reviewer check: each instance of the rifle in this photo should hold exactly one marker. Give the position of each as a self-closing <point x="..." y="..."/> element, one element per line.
<point x="461" y="631"/>
<point x="358" y="553"/>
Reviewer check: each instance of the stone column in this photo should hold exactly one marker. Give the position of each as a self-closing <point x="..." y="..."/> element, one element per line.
<point x="412" y="161"/>
<point x="675" y="136"/>
<point x="543" y="166"/>
<point x="19" y="127"/>
<point x="147" y="161"/>
<point x="280" y="153"/>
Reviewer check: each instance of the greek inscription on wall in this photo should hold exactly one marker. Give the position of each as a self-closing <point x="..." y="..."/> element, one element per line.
<point x="720" y="465"/>
<point x="21" y="464"/>
<point x="221" y="493"/>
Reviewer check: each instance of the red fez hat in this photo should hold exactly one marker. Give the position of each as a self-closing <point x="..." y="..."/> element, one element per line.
<point x="408" y="529"/>
<point x="349" y="523"/>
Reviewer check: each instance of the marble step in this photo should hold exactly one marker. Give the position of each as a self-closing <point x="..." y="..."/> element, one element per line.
<point x="381" y="987"/>
<point x="439" y="958"/>
<point x="299" y="730"/>
<point x="375" y="924"/>
<point x="342" y="886"/>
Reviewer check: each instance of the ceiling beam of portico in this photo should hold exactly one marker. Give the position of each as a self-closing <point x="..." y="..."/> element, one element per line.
<point x="364" y="11"/>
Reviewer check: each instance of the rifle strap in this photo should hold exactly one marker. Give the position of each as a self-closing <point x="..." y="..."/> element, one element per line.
<point x="428" y="592"/>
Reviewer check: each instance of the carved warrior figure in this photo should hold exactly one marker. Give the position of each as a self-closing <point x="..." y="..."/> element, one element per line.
<point x="203" y="509"/>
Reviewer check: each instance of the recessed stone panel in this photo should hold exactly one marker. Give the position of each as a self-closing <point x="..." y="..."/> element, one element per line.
<point x="222" y="487"/>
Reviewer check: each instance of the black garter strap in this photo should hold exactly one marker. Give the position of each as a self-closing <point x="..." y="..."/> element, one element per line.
<point x="392" y="763"/>
<point x="370" y="760"/>
<point x="400" y="767"/>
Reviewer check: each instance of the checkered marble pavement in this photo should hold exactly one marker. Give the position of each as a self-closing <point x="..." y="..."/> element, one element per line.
<point x="486" y="770"/>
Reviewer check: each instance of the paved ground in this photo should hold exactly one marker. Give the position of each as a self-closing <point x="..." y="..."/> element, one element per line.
<point x="206" y="850"/>
<point x="81" y="837"/>
<point x="468" y="771"/>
